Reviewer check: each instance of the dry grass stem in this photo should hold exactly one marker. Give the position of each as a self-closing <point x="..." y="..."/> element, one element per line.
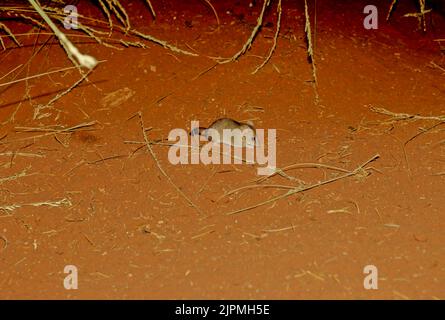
<point x="10" y="34"/>
<point x="53" y="131"/>
<point x="202" y="234"/>
<point x="150" y="150"/>
<point x="108" y="15"/>
<point x="22" y="154"/>
<point x="274" y="45"/>
<point x="36" y="76"/>
<point x="360" y="171"/>
<point x="117" y="9"/>
<point x="279" y="230"/>
<point x="310" y="51"/>
<point x="152" y="10"/>
<point x="120" y="13"/>
<point x="49" y="105"/>
<point x="388" y="15"/>
<point x="301" y="166"/>
<point x="15" y="176"/>
<point x="404" y="116"/>
<point x="274" y="186"/>
<point x="420" y="15"/>
<point x="435" y="65"/>
<point x="214" y="11"/>
<point x="49" y="203"/>
<point x="163" y="43"/>
<point x="71" y="50"/>
<point x="249" y="41"/>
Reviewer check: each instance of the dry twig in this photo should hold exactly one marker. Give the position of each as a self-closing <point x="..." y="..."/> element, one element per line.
<point x="359" y="171"/>
<point x="310" y="51"/>
<point x="249" y="41"/>
<point x="150" y="150"/>
<point x="274" y="45"/>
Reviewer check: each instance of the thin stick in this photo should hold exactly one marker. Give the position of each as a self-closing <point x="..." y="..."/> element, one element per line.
<point x="26" y="65"/>
<point x="90" y="32"/>
<point x="214" y="11"/>
<point x="302" y="165"/>
<point x="435" y="65"/>
<point x="310" y="50"/>
<point x="279" y="230"/>
<point x="36" y="76"/>
<point x="115" y="7"/>
<point x="107" y="13"/>
<point x="39" y="108"/>
<point x="50" y="203"/>
<point x="71" y="50"/>
<point x="420" y="15"/>
<point x="390" y="9"/>
<point x="22" y="154"/>
<point x="15" y="176"/>
<point x="10" y="34"/>
<point x="405" y="116"/>
<point x="55" y="130"/>
<point x="150" y="150"/>
<point x="274" y="40"/>
<point x="356" y="171"/>
<point x="38" y="23"/>
<point x="249" y="41"/>
<point x="50" y="131"/>
<point x="151" y="9"/>
<point x="414" y="137"/>
<point x="202" y="234"/>
<point x="277" y="186"/>
<point x="163" y="43"/>
<point x="423" y="131"/>
<point x="9" y="72"/>
<point x="204" y="72"/>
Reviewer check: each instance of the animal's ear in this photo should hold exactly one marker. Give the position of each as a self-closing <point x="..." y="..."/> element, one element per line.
<point x="250" y="123"/>
<point x="246" y="131"/>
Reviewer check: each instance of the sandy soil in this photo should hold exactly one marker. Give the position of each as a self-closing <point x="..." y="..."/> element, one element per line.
<point x="131" y="234"/>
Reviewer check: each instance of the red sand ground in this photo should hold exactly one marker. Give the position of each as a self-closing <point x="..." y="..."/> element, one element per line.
<point x="129" y="232"/>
